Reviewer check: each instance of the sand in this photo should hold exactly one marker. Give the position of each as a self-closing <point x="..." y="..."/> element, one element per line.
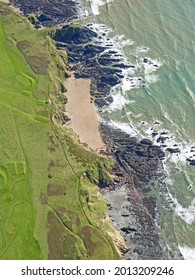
<point x="5" y="1"/>
<point x="81" y="110"/>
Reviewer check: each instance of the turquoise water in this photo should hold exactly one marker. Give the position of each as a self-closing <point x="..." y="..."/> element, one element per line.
<point x="163" y="32"/>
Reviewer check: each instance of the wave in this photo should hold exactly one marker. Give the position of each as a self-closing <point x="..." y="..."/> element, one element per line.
<point x="119" y="100"/>
<point x="126" y="127"/>
<point x="188" y="253"/>
<point x="186" y="214"/>
<point x="95" y="4"/>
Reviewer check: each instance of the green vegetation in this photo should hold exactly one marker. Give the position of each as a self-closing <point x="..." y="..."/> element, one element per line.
<point x="50" y="205"/>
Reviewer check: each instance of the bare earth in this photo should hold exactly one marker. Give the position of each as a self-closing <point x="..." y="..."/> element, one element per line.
<point x="84" y="118"/>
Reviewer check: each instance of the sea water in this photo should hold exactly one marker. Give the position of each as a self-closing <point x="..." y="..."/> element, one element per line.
<point x="157" y="96"/>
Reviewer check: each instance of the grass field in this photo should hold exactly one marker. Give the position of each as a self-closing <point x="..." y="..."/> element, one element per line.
<point x="49" y="208"/>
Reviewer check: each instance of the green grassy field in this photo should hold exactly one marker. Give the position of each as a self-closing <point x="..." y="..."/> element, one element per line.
<point x="49" y="208"/>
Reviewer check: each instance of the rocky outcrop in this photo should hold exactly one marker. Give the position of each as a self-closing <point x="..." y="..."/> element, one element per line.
<point x="49" y="12"/>
<point x="132" y="208"/>
<point x="89" y="59"/>
<point x="191" y="161"/>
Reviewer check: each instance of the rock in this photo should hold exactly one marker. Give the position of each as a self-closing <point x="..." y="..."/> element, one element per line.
<point x="89" y="60"/>
<point x="145" y="60"/>
<point x="100" y="102"/>
<point x="51" y="13"/>
<point x="173" y="150"/>
<point x="43" y="18"/>
<point x="74" y="34"/>
<point x="162" y="139"/>
<point x="154" y="134"/>
<point x="146" y="142"/>
<point x="128" y="230"/>
<point x="92" y="49"/>
<point x="110" y="79"/>
<point x="191" y="161"/>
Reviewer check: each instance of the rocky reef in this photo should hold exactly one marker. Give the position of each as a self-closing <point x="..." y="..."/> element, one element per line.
<point x="133" y="209"/>
<point x="90" y="59"/>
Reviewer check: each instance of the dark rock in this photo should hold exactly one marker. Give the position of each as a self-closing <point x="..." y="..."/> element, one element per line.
<point x="162" y="139"/>
<point x="145" y="60"/>
<point x="173" y="150"/>
<point x="43" y="18"/>
<point x="121" y="65"/>
<point x="109" y="99"/>
<point x="92" y="49"/>
<point x="154" y="134"/>
<point x="112" y="80"/>
<point x="146" y="142"/>
<point x="164" y="133"/>
<point x="191" y="161"/>
<point x="101" y="102"/>
<point x="53" y="12"/>
<point x="74" y="34"/>
<point x="128" y="230"/>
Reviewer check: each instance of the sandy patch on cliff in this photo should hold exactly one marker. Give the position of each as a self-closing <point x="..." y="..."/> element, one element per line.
<point x="81" y="110"/>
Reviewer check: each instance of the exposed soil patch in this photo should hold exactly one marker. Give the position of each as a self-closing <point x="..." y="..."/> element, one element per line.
<point x="55" y="235"/>
<point x="86" y="234"/>
<point x="43" y="198"/>
<point x="38" y="64"/>
<point x="54" y="190"/>
<point x="23" y="45"/>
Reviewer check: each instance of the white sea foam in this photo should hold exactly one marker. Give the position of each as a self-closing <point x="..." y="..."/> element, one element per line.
<point x="141" y="49"/>
<point x="151" y="65"/>
<point x="186" y="214"/>
<point x="192" y="95"/>
<point x="117" y="44"/>
<point x="187" y="86"/>
<point x="120" y="41"/>
<point x="151" y="78"/>
<point x="119" y="101"/>
<point x="185" y="148"/>
<point x="130" y="82"/>
<point x="81" y="11"/>
<point x="95" y="4"/>
<point x="126" y="127"/>
<point x="188" y="253"/>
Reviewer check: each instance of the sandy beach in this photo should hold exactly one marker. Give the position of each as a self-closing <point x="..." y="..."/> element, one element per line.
<point x="5" y="1"/>
<point x="81" y="110"/>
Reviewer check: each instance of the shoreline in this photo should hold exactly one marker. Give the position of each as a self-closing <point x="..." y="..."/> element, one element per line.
<point x="131" y="154"/>
<point x="84" y="120"/>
